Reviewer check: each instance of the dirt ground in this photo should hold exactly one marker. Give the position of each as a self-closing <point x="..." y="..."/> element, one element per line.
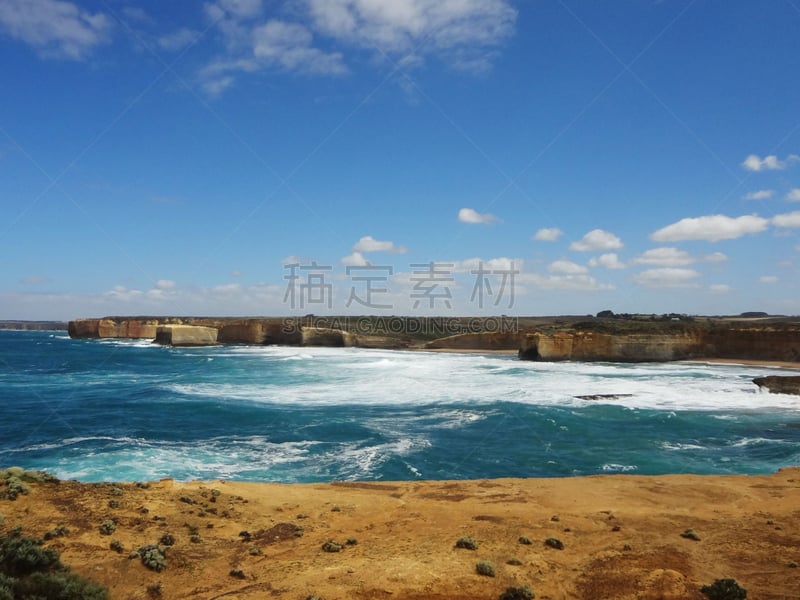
<point x="621" y="536"/>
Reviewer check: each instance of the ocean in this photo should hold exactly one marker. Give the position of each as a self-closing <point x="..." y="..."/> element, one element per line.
<point x="116" y="410"/>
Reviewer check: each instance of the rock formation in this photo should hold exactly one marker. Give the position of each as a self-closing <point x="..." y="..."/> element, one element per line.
<point x="779" y="384"/>
<point x="186" y="335"/>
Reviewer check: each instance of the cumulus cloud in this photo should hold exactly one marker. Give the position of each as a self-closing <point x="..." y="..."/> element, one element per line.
<point x="665" y="257"/>
<point x="290" y="46"/>
<point x="566" y="267"/>
<point x="711" y="228"/>
<point x="674" y="257"/>
<point x="595" y="240"/>
<point x="768" y="279"/>
<point x="55" y="28"/>
<point x="370" y="244"/>
<point x="759" y="195"/>
<point x="667" y="277"/>
<point x="769" y="163"/>
<point x="609" y="260"/>
<point x="793" y="195"/>
<point x="787" y="220"/>
<point x="547" y="234"/>
<point x="469" y="215"/>
<point x="500" y="264"/>
<point x="465" y="33"/>
<point x="356" y="259"/>
<point x="579" y="282"/>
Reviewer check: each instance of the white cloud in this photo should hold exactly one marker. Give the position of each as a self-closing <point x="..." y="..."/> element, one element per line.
<point x="469" y="215"/>
<point x="597" y="239"/>
<point x="787" y="220"/>
<point x="289" y="46"/>
<point x="580" y="282"/>
<point x="768" y="279"/>
<point x="356" y="259"/>
<point x="245" y="9"/>
<point x="499" y="264"/>
<point x="165" y="284"/>
<point x="566" y="267"/>
<point x="547" y="234"/>
<point x="236" y="273"/>
<point x="715" y="257"/>
<point x="720" y="288"/>
<point x="667" y="277"/>
<point x="465" y="33"/>
<point x="54" y="28"/>
<point x="178" y="40"/>
<point x="711" y="228"/>
<point x="665" y="257"/>
<point x="768" y="163"/>
<point x="793" y="195"/>
<point x="609" y="261"/>
<point x="370" y="244"/>
<point x="759" y="195"/>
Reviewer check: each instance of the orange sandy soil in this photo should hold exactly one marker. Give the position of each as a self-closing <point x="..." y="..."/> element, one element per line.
<point x="621" y="535"/>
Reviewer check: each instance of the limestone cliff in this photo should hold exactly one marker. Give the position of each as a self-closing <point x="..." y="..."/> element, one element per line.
<point x="186" y="335"/>
<point x="477" y="341"/>
<point x="595" y="346"/>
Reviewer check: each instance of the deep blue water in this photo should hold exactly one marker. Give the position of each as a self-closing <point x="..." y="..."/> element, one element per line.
<point x="116" y="410"/>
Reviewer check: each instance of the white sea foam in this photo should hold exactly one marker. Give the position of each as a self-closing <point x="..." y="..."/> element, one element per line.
<point x="334" y="376"/>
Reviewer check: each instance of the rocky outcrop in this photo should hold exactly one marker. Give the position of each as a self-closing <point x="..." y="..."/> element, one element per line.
<point x="593" y="346"/>
<point x="186" y="335"/>
<point x="779" y="384"/>
<point x="331" y="338"/>
<point x="477" y="341"/>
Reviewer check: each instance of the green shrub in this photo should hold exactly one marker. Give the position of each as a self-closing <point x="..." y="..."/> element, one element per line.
<point x="153" y="557"/>
<point x="554" y="542"/>
<point x="514" y="561"/>
<point x="167" y="540"/>
<point x="690" y="534"/>
<point x="114" y="504"/>
<point x="525" y="540"/>
<point x="115" y="491"/>
<point x="724" y="589"/>
<point x="59" y="531"/>
<point x="30" y="572"/>
<point x="14" y="489"/>
<point x="517" y="593"/>
<point x="108" y="527"/>
<point x="238" y="573"/>
<point x="467" y="543"/>
<point x="485" y="568"/>
<point x="331" y="546"/>
<point x="21" y="556"/>
<point x="116" y="546"/>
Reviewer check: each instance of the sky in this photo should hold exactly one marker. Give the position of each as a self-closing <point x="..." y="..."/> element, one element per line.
<point x="450" y="157"/>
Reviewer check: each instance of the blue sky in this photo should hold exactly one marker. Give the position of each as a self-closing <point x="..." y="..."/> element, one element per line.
<point x="548" y="157"/>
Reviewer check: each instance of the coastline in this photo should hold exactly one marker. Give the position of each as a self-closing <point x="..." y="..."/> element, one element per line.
<point x="621" y="536"/>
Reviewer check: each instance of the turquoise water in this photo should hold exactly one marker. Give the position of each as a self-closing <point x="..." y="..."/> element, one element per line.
<point x="117" y="410"/>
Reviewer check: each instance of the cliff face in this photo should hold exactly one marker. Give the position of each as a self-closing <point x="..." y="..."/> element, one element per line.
<point x="745" y="344"/>
<point x="591" y="346"/>
<point x="186" y="335"/>
<point x="477" y="341"/>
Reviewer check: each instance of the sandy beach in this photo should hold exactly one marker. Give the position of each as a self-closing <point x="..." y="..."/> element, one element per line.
<point x="621" y="535"/>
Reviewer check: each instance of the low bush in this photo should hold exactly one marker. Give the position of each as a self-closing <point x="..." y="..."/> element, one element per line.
<point x="153" y="557"/>
<point x="485" y="568"/>
<point x="108" y="527"/>
<point x="30" y="571"/>
<point x="554" y="542"/>
<point x="467" y="543"/>
<point x="724" y="589"/>
<point x="517" y="593"/>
